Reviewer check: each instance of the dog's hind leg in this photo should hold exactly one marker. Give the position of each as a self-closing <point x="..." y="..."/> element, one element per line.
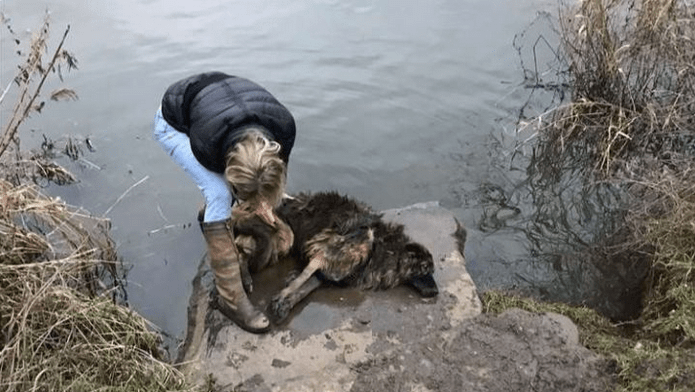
<point x="298" y="289"/>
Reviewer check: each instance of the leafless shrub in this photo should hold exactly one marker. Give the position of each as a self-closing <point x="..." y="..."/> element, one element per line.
<point x="633" y="83"/>
<point x="630" y="125"/>
<point x="29" y="81"/>
<point x="63" y="326"/>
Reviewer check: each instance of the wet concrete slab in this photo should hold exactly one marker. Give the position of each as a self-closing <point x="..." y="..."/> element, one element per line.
<point x="335" y="330"/>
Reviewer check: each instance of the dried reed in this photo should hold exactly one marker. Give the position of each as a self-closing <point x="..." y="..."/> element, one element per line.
<point x="60" y="329"/>
<point x="632" y="119"/>
<point x="630" y="125"/>
<point x="667" y="221"/>
<point x="633" y="84"/>
<point x="30" y="80"/>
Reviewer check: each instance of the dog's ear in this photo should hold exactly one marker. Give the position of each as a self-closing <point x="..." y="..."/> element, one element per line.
<point x="417" y="251"/>
<point x="419" y="259"/>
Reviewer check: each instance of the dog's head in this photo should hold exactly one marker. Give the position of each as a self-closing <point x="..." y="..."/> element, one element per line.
<point x="360" y="227"/>
<point x="423" y="267"/>
<point x="261" y="235"/>
<point x="396" y="259"/>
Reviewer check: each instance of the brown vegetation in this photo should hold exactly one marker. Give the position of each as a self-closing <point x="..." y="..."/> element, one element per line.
<point x="631" y="122"/>
<point x="61" y="325"/>
<point x="630" y="126"/>
<point x="633" y="81"/>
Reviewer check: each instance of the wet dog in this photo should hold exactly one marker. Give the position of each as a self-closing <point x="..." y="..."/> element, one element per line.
<point x="339" y="241"/>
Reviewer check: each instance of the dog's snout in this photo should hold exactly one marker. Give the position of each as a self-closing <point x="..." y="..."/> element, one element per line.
<point x="266" y="213"/>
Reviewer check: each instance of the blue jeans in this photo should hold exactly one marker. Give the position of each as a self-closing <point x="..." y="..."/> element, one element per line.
<point x="218" y="198"/>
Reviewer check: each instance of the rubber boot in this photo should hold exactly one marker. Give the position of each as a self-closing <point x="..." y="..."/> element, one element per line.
<point x="231" y="300"/>
<point x="246" y="278"/>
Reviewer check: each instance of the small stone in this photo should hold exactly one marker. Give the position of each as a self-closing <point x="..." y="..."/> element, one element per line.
<point x="364" y="318"/>
<point x="235" y="359"/>
<point x="278" y="363"/>
<point x="331" y="345"/>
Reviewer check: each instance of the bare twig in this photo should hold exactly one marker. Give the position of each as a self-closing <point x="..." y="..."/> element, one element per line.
<point x="22" y="108"/>
<point x="124" y="195"/>
<point x="4" y="92"/>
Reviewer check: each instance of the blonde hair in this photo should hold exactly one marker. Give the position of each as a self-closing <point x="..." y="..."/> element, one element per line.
<point x="255" y="170"/>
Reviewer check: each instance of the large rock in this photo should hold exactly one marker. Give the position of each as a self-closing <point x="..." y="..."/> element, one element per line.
<point x="343" y="339"/>
<point x="515" y="351"/>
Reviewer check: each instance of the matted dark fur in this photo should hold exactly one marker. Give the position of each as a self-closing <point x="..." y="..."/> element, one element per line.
<point x="342" y="241"/>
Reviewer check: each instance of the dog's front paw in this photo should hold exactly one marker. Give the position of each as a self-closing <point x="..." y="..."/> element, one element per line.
<point x="246" y="278"/>
<point x="279" y="308"/>
<point x="248" y="285"/>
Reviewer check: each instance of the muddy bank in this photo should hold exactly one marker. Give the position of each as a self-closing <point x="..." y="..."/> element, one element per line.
<point x="345" y="340"/>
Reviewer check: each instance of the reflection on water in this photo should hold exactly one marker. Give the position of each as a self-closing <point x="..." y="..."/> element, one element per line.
<point x="394" y="103"/>
<point x="570" y="225"/>
<point x="572" y="231"/>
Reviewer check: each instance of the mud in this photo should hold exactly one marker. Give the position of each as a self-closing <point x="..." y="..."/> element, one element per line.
<point x="347" y="340"/>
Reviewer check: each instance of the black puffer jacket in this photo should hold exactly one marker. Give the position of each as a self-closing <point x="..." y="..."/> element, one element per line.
<point x="212" y="108"/>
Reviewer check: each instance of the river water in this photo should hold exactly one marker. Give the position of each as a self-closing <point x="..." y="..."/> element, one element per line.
<point x="396" y="102"/>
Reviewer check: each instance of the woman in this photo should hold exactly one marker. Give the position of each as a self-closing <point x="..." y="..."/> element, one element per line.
<point x="233" y="138"/>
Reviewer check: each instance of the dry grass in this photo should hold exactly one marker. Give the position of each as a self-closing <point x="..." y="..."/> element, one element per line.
<point x="667" y="222"/>
<point x="633" y="83"/>
<point x="57" y="338"/>
<point x="630" y="125"/>
<point x="60" y="327"/>
<point x="36" y="228"/>
<point x="631" y="122"/>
